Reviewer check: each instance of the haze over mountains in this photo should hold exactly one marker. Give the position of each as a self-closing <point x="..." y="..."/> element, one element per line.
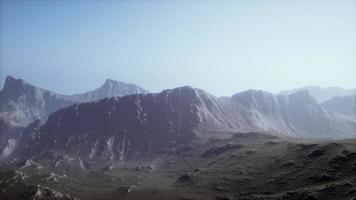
<point x="321" y="94"/>
<point x="341" y="106"/>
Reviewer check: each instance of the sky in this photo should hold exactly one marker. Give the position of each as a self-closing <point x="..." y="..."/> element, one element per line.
<point x="222" y="47"/>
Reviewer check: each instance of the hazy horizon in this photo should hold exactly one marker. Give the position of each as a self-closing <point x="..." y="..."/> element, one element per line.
<point x="221" y="47"/>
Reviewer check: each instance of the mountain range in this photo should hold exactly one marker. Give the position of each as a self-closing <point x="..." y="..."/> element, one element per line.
<point x="322" y="94"/>
<point x="122" y="121"/>
<point x="120" y="141"/>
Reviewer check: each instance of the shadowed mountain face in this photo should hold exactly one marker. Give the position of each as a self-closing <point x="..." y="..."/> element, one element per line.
<point x="342" y="106"/>
<point x="22" y="103"/>
<point x="121" y="127"/>
<point x="135" y="125"/>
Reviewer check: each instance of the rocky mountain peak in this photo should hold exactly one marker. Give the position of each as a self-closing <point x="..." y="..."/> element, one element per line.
<point x="110" y="88"/>
<point x="13" y="82"/>
<point x="14" y="86"/>
<point x="111" y="82"/>
<point x="21" y="102"/>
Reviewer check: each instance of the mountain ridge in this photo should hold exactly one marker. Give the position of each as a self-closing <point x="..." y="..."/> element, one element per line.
<point x="22" y="103"/>
<point x="117" y="128"/>
<point x="321" y="94"/>
<point x="131" y="126"/>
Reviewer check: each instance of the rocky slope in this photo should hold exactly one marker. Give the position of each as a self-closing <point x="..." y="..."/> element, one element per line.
<point x="120" y="127"/>
<point x="132" y="126"/>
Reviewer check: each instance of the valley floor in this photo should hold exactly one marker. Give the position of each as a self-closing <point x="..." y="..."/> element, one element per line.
<point x="246" y="166"/>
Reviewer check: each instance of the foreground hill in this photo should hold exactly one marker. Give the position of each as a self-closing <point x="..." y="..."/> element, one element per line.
<point x="245" y="166"/>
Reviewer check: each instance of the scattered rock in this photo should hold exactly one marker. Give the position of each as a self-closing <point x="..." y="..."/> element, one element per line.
<point x="185" y="178"/>
<point x="289" y="163"/>
<point x="339" y="159"/>
<point x="298" y="195"/>
<point x="220" y="149"/>
<point x="354" y="166"/>
<point x="143" y="168"/>
<point x="321" y="178"/>
<point x="302" y="147"/>
<point x="106" y="168"/>
<point x="271" y="143"/>
<point x="222" y="198"/>
<point x="316" y="153"/>
<point x="123" y="190"/>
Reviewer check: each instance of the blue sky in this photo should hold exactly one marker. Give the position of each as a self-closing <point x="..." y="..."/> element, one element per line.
<point x="220" y="46"/>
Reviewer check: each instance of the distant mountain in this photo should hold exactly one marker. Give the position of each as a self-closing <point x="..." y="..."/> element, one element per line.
<point x="321" y="94"/>
<point x="137" y="125"/>
<point x="342" y="106"/>
<point x="21" y="103"/>
<point x="110" y="88"/>
<point x="297" y="114"/>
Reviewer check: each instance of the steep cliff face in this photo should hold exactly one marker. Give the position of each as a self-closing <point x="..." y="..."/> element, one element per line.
<point x="21" y="103"/>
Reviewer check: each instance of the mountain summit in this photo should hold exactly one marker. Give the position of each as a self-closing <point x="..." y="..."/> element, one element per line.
<point x="110" y="88"/>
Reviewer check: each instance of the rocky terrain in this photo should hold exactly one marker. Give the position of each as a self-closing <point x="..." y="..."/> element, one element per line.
<point x="134" y="125"/>
<point x="181" y="143"/>
<point x="245" y="166"/>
